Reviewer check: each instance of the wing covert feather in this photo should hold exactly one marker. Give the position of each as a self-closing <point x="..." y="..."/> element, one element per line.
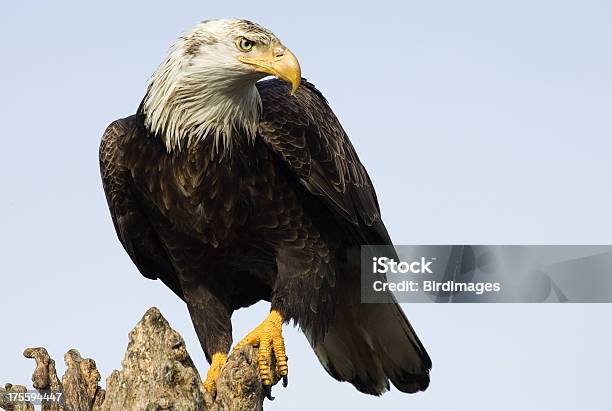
<point x="133" y="228"/>
<point x="304" y="132"/>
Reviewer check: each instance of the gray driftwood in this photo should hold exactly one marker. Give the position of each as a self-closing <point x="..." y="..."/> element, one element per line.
<point x="157" y="374"/>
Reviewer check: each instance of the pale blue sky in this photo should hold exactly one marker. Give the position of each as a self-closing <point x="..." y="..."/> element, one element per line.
<point x="479" y="121"/>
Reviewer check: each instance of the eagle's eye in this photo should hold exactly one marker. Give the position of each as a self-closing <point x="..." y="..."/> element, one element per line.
<point x="244" y="44"/>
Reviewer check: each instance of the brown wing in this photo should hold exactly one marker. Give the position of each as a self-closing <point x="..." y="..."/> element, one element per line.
<point x="365" y="344"/>
<point x="303" y="130"/>
<point x="131" y="224"/>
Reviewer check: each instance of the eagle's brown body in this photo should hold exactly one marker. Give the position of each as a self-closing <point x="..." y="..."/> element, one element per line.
<point x="280" y="218"/>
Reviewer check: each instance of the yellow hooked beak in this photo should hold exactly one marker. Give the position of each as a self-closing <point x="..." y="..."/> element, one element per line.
<point x="279" y="62"/>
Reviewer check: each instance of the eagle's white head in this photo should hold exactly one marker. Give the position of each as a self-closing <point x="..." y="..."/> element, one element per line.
<point x="206" y="85"/>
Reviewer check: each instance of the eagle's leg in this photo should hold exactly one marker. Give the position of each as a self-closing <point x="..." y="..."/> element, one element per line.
<point x="212" y="321"/>
<point x="269" y="338"/>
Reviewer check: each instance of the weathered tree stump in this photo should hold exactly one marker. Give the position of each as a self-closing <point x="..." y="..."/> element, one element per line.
<point x="157" y="374"/>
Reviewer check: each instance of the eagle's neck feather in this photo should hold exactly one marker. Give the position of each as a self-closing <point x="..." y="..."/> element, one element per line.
<point x="184" y="106"/>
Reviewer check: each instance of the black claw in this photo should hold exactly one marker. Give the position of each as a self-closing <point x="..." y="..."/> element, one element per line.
<point x="285" y="381"/>
<point x="268" y="392"/>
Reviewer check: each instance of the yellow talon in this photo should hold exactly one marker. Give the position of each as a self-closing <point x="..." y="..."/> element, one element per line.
<point x="218" y="361"/>
<point x="269" y="338"/>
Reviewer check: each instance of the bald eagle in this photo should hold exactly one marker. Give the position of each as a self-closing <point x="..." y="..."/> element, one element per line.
<point x="232" y="190"/>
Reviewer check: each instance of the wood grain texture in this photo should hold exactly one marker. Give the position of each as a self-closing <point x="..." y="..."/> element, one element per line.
<point x="157" y="374"/>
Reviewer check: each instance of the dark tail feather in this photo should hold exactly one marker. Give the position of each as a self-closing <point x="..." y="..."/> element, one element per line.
<point x="370" y="344"/>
